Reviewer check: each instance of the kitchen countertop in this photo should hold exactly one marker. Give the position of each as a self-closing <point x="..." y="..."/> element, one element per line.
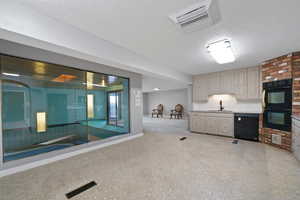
<point x="225" y="112"/>
<point x="296" y="117"/>
<point x="214" y="111"/>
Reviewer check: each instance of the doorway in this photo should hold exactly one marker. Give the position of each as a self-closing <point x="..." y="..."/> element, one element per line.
<point x="115" y="108"/>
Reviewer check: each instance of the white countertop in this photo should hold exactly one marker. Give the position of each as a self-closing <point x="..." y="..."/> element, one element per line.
<point x="225" y="111"/>
<point x="296" y="117"/>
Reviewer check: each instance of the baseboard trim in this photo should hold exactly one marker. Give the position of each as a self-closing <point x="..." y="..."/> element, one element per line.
<point x="27" y="166"/>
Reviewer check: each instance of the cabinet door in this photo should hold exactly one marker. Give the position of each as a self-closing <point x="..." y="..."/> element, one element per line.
<point x="296" y="139"/>
<point x="194" y="122"/>
<point x="212" y="125"/>
<point x="195" y="90"/>
<point x="240" y="84"/>
<point x="226" y="127"/>
<point x="213" y="83"/>
<point x="254" y="83"/>
<point x="226" y="82"/>
<point x="200" y="89"/>
<point x="203" y="124"/>
<point x="203" y="95"/>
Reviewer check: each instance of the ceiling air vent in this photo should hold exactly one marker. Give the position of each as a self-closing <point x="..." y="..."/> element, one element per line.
<point x="197" y="16"/>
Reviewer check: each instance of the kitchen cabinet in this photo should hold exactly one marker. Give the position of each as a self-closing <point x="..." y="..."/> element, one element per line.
<point x="212" y="123"/>
<point x="213" y="81"/>
<point x="200" y="88"/>
<point x="226" y="126"/>
<point x="296" y="138"/>
<point x="245" y="84"/>
<point x="241" y="84"/>
<point x="226" y="82"/>
<point x="194" y="121"/>
<point x="254" y="85"/>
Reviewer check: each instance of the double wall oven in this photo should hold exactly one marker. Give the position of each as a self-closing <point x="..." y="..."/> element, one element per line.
<point x="277" y="103"/>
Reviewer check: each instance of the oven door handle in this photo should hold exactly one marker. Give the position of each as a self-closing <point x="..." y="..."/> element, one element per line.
<point x="263" y="99"/>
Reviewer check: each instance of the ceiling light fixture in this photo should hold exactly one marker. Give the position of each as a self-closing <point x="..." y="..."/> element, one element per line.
<point x="64" y="78"/>
<point x="156" y="89"/>
<point x="10" y="74"/>
<point x="93" y="84"/>
<point x="221" y="51"/>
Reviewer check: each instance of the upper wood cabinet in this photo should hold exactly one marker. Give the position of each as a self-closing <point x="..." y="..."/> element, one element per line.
<point x="226" y="82"/>
<point x="200" y="88"/>
<point x="244" y="83"/>
<point x="213" y="81"/>
<point x="254" y="85"/>
<point x="241" y="84"/>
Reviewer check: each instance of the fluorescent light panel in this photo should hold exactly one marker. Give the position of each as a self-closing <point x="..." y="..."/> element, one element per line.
<point x="93" y="84"/>
<point x="221" y="51"/>
<point x="10" y="74"/>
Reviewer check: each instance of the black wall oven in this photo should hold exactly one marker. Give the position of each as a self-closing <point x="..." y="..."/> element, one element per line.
<point x="280" y="120"/>
<point x="277" y="102"/>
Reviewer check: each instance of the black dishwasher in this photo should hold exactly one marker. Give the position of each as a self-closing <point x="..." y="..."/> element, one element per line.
<point x="246" y="126"/>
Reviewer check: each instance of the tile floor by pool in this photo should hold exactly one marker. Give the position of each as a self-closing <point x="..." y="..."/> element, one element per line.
<point x="160" y="166"/>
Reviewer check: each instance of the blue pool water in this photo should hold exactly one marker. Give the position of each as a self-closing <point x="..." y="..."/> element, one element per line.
<point x="102" y="124"/>
<point x="33" y="152"/>
<point x="98" y="128"/>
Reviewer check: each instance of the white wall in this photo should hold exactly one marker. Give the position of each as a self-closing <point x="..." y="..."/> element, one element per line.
<point x="164" y="84"/>
<point x="168" y="98"/>
<point x="20" y="22"/>
<point x="229" y="103"/>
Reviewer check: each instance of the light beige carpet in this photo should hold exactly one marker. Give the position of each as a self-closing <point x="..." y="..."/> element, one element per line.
<point x="160" y="166"/>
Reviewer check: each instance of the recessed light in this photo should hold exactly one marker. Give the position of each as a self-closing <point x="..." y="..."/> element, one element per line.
<point x="156" y="89"/>
<point x="221" y="51"/>
<point x="10" y="74"/>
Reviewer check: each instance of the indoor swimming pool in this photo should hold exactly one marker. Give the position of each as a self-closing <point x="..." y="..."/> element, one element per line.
<point x="49" y="107"/>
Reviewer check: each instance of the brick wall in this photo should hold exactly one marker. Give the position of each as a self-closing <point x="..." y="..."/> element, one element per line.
<point x="283" y="67"/>
<point x="296" y="83"/>
<point x="277" y="69"/>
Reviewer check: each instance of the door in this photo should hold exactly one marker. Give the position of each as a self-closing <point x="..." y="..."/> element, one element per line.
<point x="278" y="98"/>
<point x="115" y="108"/>
<point x="280" y="120"/>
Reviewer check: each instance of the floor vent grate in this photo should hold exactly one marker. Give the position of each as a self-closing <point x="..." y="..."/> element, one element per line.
<point x="81" y="189"/>
<point x="235" y="142"/>
<point x="183" y="138"/>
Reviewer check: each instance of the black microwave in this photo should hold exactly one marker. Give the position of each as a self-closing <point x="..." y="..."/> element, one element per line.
<point x="277" y="95"/>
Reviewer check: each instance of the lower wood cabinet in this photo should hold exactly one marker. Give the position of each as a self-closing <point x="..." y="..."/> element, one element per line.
<point x="296" y="138"/>
<point x="212" y="123"/>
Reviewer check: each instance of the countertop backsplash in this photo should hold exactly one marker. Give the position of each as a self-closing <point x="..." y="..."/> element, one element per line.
<point x="230" y="103"/>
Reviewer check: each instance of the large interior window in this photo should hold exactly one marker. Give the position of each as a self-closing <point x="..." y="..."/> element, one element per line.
<point x="48" y="107"/>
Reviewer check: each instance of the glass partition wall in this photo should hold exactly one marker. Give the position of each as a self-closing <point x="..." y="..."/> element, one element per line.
<point x="48" y="107"/>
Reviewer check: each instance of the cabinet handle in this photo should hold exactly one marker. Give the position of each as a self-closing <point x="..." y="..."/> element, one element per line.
<point x="263" y="99"/>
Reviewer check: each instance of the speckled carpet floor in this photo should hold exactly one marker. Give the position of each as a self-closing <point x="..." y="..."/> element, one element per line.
<point x="161" y="167"/>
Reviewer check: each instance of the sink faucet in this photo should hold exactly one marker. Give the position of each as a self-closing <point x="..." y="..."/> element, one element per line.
<point x="221" y="107"/>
